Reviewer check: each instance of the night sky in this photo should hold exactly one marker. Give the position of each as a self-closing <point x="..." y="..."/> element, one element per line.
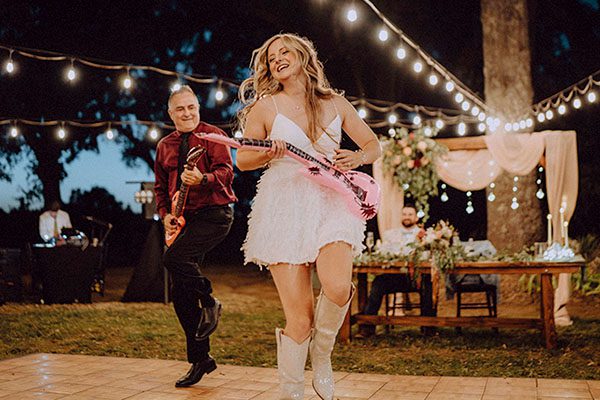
<point x="215" y="39"/>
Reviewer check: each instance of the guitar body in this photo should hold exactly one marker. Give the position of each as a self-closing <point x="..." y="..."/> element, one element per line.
<point x="180" y="196"/>
<point x="365" y="208"/>
<point x="360" y="191"/>
<point x="179" y="222"/>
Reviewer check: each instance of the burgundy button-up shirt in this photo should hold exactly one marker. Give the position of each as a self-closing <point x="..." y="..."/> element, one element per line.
<point x="216" y="164"/>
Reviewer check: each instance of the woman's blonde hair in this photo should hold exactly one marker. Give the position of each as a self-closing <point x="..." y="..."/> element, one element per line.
<point x="262" y="83"/>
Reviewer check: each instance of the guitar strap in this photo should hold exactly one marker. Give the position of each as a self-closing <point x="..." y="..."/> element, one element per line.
<point x="184" y="147"/>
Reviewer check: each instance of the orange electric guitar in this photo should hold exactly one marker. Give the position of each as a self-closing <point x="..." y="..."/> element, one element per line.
<point x="178" y="200"/>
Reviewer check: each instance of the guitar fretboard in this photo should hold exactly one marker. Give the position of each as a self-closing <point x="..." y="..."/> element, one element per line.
<point x="264" y="143"/>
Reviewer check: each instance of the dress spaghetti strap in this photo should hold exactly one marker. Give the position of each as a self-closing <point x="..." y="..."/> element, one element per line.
<point x="275" y="103"/>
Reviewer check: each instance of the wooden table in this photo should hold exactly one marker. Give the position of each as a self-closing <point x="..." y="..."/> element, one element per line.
<point x="543" y="268"/>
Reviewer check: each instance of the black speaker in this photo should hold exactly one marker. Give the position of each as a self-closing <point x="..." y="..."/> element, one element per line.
<point x="11" y="285"/>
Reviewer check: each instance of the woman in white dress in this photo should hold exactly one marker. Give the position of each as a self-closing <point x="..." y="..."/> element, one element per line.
<point x="296" y="223"/>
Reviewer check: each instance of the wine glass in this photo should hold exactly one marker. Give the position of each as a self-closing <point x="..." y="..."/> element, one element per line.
<point x="370" y="242"/>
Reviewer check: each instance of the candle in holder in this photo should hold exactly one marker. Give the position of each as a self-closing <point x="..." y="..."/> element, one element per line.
<point x="566" y="226"/>
<point x="549" y="217"/>
<point x="562" y="223"/>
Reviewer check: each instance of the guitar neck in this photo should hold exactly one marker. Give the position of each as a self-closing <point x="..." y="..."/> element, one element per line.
<point x="292" y="150"/>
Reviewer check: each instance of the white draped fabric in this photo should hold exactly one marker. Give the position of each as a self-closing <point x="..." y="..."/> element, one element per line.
<point x="518" y="154"/>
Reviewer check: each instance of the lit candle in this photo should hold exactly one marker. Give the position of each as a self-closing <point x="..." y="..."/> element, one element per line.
<point x="566" y="226"/>
<point x="562" y="223"/>
<point x="549" y="217"/>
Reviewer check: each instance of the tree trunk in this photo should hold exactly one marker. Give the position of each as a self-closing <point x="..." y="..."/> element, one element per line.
<point x="509" y="91"/>
<point x="48" y="168"/>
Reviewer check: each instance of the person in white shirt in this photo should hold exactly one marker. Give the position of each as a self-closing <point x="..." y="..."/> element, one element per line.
<point x="51" y="223"/>
<point x="393" y="241"/>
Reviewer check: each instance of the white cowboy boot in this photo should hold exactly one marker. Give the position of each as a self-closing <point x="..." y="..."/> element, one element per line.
<point x="291" y="359"/>
<point x="328" y="320"/>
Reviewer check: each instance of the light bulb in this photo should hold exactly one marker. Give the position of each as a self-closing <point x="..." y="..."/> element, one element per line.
<point x="428" y="131"/>
<point x="562" y="109"/>
<point x="491" y="197"/>
<point x="591" y="97"/>
<point x="469" y="209"/>
<point x="465" y="105"/>
<point x="449" y="86"/>
<point x="352" y="15"/>
<point x="127" y="82"/>
<point x="14" y="132"/>
<point x="475" y="111"/>
<point x="549" y="115"/>
<point x="176" y="86"/>
<point x="383" y="35"/>
<point x="540" y="194"/>
<point x="577" y="103"/>
<point x="10" y="66"/>
<point x="219" y="95"/>
<point x="481" y="116"/>
<point x="362" y="112"/>
<point x="71" y="75"/>
<point x="529" y="122"/>
<point x="515" y="126"/>
<point x="418" y="66"/>
<point x="392" y="132"/>
<point x="439" y="123"/>
<point x="153" y="134"/>
<point x="459" y="97"/>
<point x="541" y="117"/>
<point x="417" y="120"/>
<point x="508" y="127"/>
<point x="110" y="135"/>
<point x="61" y="133"/>
<point x="392" y="118"/>
<point x="444" y="197"/>
<point x="433" y="79"/>
<point x="462" y="128"/>
<point x="400" y="53"/>
<point x="481" y="127"/>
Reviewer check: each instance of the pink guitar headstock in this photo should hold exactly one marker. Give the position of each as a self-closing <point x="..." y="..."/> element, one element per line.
<point x="194" y="154"/>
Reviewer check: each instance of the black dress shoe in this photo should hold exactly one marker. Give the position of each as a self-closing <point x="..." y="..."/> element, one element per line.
<point x="208" y="321"/>
<point x="196" y="372"/>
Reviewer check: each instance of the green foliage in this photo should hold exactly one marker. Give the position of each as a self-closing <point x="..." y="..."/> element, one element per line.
<point x="410" y="157"/>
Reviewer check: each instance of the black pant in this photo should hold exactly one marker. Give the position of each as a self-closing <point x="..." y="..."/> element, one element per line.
<point x="391" y="283"/>
<point x="203" y="230"/>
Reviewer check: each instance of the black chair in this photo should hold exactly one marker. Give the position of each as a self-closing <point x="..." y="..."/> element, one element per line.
<point x="399" y="301"/>
<point x="476" y="286"/>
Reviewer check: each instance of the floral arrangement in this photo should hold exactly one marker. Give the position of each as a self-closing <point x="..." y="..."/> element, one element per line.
<point x="436" y="244"/>
<point x="410" y="158"/>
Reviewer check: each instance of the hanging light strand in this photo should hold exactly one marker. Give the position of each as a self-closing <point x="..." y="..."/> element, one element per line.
<point x="435" y="65"/>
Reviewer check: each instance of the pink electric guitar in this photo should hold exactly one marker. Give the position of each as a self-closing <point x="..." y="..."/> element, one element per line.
<point x="180" y="196"/>
<point x="360" y="191"/>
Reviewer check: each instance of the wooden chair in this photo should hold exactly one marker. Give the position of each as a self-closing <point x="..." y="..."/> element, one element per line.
<point x="490" y="303"/>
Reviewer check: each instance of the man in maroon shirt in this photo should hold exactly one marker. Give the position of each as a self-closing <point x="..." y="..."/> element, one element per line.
<point x="208" y="217"/>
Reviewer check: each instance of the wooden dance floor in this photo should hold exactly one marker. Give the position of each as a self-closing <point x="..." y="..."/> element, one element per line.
<point x="74" y="377"/>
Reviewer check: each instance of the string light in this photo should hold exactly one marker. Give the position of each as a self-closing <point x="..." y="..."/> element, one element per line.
<point x="449" y="86"/>
<point x="591" y="97"/>
<point x="392" y="118"/>
<point x="153" y="133"/>
<point x="392" y="132"/>
<point x="219" y="95"/>
<point x="465" y="105"/>
<point x="10" y="65"/>
<point x="459" y="97"/>
<point x="71" y="75"/>
<point x="401" y="53"/>
<point x="481" y="116"/>
<point x="491" y="196"/>
<point x="577" y="103"/>
<point x="383" y="35"/>
<point x="433" y="79"/>
<point x="515" y="204"/>
<point x="176" y="86"/>
<point x="362" y="112"/>
<point x="428" y="131"/>
<point x="462" y="129"/>
<point x="417" y="120"/>
<point x="14" y="132"/>
<point x="110" y="134"/>
<point x="439" y="123"/>
<point x="562" y="109"/>
<point x="352" y="15"/>
<point x="549" y="115"/>
<point x="418" y="66"/>
<point x="61" y="133"/>
<point x="481" y="127"/>
<point x="540" y="192"/>
<point x="444" y="196"/>
<point x="127" y="82"/>
<point x="470" y="209"/>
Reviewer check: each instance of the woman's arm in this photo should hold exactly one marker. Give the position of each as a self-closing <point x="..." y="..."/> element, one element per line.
<point x="255" y="129"/>
<point x="360" y="133"/>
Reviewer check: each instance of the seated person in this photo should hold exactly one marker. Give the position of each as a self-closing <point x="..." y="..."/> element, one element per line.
<point x="394" y="241"/>
<point x="51" y="223"/>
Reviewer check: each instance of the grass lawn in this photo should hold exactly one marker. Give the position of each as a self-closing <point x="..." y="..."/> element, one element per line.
<point x="246" y="337"/>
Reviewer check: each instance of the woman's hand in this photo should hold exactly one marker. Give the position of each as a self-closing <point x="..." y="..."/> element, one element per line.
<point x="277" y="149"/>
<point x="346" y="160"/>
